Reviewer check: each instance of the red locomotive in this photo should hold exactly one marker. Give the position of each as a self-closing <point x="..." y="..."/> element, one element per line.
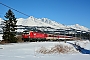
<point x="33" y="36"/>
<point x="40" y="36"/>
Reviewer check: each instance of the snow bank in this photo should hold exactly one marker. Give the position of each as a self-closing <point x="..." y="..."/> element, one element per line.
<point x="60" y="48"/>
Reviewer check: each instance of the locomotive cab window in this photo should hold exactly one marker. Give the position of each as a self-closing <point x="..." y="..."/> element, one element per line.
<point x="25" y="32"/>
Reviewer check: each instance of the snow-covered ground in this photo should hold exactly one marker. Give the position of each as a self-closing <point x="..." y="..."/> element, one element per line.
<point x="27" y="51"/>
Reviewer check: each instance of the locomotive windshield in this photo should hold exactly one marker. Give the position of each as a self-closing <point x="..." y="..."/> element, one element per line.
<point x="25" y="32"/>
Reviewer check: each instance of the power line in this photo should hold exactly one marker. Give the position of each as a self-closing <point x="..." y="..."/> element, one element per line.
<point x="14" y="9"/>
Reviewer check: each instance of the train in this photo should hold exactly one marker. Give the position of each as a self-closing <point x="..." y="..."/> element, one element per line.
<point x="34" y="36"/>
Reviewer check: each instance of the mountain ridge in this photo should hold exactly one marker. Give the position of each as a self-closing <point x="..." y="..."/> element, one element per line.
<point x="32" y="21"/>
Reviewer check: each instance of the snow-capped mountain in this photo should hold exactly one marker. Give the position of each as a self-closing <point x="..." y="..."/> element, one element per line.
<point x="78" y="27"/>
<point x="32" y="21"/>
<point x="0" y="24"/>
<point x="1" y="20"/>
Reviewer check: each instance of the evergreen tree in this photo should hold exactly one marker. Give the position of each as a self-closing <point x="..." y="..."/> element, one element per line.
<point x="9" y="32"/>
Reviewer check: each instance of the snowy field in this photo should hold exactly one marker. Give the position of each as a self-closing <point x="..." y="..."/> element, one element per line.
<point x="28" y="51"/>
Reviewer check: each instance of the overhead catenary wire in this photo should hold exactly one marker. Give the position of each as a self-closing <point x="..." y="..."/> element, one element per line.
<point x="14" y="9"/>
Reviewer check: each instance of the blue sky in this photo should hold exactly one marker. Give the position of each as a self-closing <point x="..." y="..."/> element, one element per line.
<point x="66" y="12"/>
